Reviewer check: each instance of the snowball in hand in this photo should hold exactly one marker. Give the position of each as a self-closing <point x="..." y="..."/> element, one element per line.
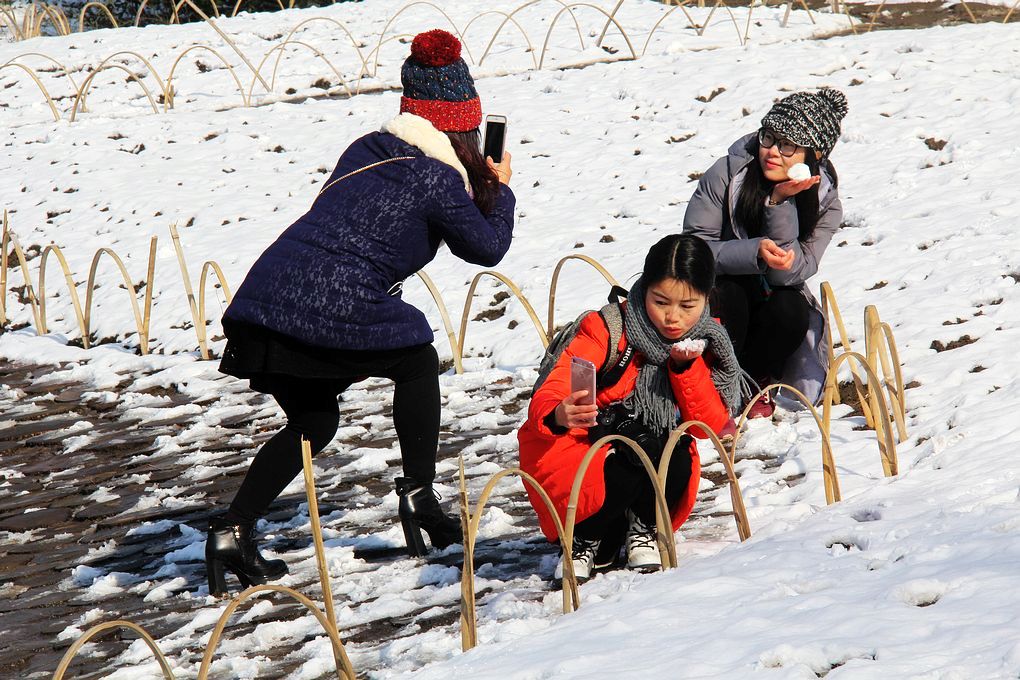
<point x="690" y="345"/>
<point x="798" y="172"/>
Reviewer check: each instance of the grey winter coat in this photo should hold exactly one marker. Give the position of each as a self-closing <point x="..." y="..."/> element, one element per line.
<point x="737" y="253"/>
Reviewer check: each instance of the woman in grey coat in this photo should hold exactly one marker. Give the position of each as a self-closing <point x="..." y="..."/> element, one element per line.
<point x="768" y="232"/>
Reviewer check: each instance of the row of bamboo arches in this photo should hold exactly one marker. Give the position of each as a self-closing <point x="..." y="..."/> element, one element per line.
<point x="369" y="63"/>
<point x="875" y="374"/>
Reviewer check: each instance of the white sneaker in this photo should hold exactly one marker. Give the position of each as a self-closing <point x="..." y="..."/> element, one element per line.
<point x="642" y="549"/>
<point x="582" y="554"/>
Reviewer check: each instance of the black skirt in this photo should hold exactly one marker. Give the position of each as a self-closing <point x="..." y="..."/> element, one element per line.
<point x="262" y="356"/>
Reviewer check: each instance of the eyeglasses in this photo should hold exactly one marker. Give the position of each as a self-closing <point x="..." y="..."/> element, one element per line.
<point x="767" y="139"/>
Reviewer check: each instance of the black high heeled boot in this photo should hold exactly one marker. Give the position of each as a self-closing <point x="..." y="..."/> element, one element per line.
<point x="233" y="547"/>
<point x="419" y="509"/>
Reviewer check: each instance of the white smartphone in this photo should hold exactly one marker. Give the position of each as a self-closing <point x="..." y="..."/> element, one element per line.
<point x="582" y="377"/>
<point x="495" y="137"/>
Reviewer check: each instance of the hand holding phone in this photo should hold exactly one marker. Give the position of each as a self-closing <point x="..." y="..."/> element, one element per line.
<point x="495" y="138"/>
<point x="582" y="377"/>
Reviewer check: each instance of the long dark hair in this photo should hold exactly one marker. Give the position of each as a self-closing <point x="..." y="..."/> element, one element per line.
<point x="484" y="182"/>
<point x="684" y="257"/>
<point x="750" y="209"/>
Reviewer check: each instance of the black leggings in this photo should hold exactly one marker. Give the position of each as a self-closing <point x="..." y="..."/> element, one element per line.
<point x="313" y="412"/>
<point x="628" y="487"/>
<point x="765" y="328"/>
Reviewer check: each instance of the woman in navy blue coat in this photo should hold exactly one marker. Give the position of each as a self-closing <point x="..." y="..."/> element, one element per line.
<point x="320" y="309"/>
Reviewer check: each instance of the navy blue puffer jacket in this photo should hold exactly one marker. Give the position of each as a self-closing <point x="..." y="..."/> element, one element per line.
<point x="324" y="281"/>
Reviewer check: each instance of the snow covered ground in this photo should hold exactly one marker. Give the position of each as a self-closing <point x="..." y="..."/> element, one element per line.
<point x="912" y="577"/>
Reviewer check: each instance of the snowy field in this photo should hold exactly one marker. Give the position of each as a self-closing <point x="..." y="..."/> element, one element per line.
<point x="910" y="577"/>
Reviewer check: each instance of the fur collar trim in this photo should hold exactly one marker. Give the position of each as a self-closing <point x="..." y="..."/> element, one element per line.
<point x="420" y="133"/>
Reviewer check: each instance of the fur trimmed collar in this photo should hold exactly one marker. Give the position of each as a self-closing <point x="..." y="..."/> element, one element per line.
<point x="420" y="133"/>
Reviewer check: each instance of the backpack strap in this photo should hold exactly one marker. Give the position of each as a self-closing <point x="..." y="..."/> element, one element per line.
<point x="359" y="170"/>
<point x="616" y="361"/>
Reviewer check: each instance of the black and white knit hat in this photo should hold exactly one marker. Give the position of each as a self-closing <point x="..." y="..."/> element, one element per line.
<point x="808" y="118"/>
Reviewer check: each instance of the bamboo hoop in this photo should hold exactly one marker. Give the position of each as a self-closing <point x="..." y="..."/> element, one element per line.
<point x="8" y="18"/>
<point x="447" y="324"/>
<point x="513" y="289"/>
<point x="1011" y="10"/>
<point x="339" y="653"/>
<point x="830" y="310"/>
<point x="663" y="525"/>
<point x="680" y="6"/>
<point x="237" y="6"/>
<point x="506" y="18"/>
<point x="87" y="85"/>
<point x="181" y="3"/>
<point x="468" y="620"/>
<point x="467" y="50"/>
<point x="42" y="88"/>
<point x="571" y="597"/>
<point x="215" y="268"/>
<point x="198" y="321"/>
<point x="9" y="238"/>
<point x="174" y="19"/>
<point x="223" y="35"/>
<point x="830" y="478"/>
<point x="249" y="593"/>
<point x="733" y="18"/>
<point x="555" y="282"/>
<point x="342" y="27"/>
<point x="315" y="50"/>
<point x="142" y="318"/>
<point x="92" y="632"/>
<point x="43" y="329"/>
<point x="87" y="6"/>
<point x="170" y="93"/>
<point x="736" y="497"/>
<point x="883" y="425"/>
<point x="53" y="61"/>
<point x="56" y="17"/>
<point x="878" y="345"/>
<point x="789" y="7"/>
<point x="570" y="8"/>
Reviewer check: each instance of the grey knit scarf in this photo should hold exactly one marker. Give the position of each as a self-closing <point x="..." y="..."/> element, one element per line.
<point x="652" y="399"/>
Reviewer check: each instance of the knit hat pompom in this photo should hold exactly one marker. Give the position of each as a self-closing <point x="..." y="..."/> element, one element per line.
<point x="435" y="48"/>
<point x="837" y="100"/>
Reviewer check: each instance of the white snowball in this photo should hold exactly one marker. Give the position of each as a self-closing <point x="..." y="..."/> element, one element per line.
<point x="690" y="344"/>
<point x="798" y="172"/>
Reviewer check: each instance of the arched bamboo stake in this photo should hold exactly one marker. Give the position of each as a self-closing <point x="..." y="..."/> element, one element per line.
<point x="1010" y="12"/>
<point x="318" y="53"/>
<point x="215" y="268"/>
<point x="56" y="17"/>
<point x="141" y="319"/>
<point x="87" y="85"/>
<point x="711" y="13"/>
<point x="663" y="523"/>
<point x="38" y="82"/>
<point x="170" y="92"/>
<point x="198" y="321"/>
<point x="467" y="51"/>
<point x="680" y="6"/>
<point x="570" y="8"/>
<point x="338" y="24"/>
<point x="92" y="632"/>
<point x="237" y="6"/>
<point x="339" y="653"/>
<point x="447" y="324"/>
<point x="53" y="61"/>
<point x="555" y="282"/>
<point x="85" y="8"/>
<point x="7" y="17"/>
<point x="878" y="353"/>
<point x="43" y="329"/>
<point x="789" y="7"/>
<point x="506" y="17"/>
<point x="468" y="618"/>
<point x="513" y="289"/>
<point x="830" y="478"/>
<point x="830" y="310"/>
<point x="571" y="598"/>
<point x="174" y="19"/>
<point x="736" y="497"/>
<point x="883" y="424"/>
<point x="148" y="64"/>
<point x="225" y="37"/>
<point x="510" y="17"/>
<point x="33" y="300"/>
<point x="249" y="593"/>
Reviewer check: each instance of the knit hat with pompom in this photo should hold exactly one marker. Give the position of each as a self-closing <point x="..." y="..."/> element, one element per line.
<point x="808" y="118"/>
<point x="438" y="85"/>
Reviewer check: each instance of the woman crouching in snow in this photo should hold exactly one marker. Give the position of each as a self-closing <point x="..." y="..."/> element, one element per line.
<point x="660" y="383"/>
<point x="320" y="309"/>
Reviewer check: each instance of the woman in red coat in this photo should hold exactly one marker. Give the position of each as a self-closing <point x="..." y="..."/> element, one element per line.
<point x="667" y="381"/>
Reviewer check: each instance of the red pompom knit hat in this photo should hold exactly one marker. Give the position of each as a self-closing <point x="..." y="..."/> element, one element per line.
<point x="438" y="85"/>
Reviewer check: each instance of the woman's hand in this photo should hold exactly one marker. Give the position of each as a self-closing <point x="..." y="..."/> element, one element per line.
<point x="571" y="414"/>
<point x="681" y="357"/>
<point x="792" y="187"/>
<point x="774" y="256"/>
<point x="502" y="169"/>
